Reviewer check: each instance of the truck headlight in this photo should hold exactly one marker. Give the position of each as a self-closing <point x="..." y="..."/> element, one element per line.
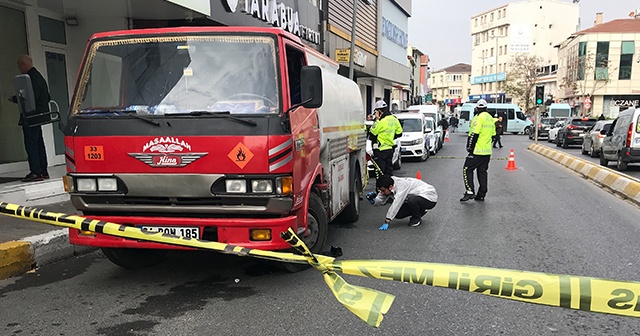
<point x="261" y="186"/>
<point x="236" y="186"/>
<point x="86" y="184"/>
<point x="107" y="184"/>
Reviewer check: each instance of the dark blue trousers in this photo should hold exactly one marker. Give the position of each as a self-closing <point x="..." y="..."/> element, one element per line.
<point x="36" y="152"/>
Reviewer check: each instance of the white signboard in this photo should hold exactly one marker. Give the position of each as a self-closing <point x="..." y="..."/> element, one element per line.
<point x="520" y="37"/>
<point x="200" y="6"/>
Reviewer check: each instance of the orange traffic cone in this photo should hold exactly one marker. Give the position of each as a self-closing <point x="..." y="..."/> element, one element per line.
<point x="512" y="162"/>
<point x="418" y="175"/>
<point x="446" y="136"/>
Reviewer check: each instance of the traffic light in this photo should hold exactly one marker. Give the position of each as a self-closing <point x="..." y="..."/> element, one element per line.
<point x="539" y="94"/>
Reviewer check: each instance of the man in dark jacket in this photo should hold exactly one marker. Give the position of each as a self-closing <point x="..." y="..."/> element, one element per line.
<point x="33" y="140"/>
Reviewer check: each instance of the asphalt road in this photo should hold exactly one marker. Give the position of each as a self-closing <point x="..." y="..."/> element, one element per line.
<point x="633" y="169"/>
<point x="541" y="217"/>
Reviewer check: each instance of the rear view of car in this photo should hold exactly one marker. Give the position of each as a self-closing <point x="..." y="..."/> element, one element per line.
<point x="553" y="131"/>
<point x="543" y="127"/>
<point x="593" y="139"/>
<point x="573" y="132"/>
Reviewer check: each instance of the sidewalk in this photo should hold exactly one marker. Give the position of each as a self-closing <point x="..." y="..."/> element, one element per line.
<point x="27" y="244"/>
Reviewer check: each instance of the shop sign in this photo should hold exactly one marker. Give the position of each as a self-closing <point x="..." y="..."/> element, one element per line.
<point x="342" y="55"/>
<point x="625" y="102"/>
<point x="276" y="13"/>
<point x="394" y="33"/>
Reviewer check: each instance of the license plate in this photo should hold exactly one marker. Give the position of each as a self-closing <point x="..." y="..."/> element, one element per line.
<point x="180" y="231"/>
<point x="582" y="135"/>
<point x="403" y="150"/>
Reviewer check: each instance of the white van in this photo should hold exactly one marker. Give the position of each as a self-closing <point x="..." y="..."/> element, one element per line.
<point x="622" y="141"/>
<point x="512" y="117"/>
<point x="558" y="110"/>
<point x="431" y="111"/>
<point x="414" y="142"/>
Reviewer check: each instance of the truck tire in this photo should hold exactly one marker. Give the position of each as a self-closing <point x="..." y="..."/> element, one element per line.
<point x="133" y="258"/>
<point x="351" y="213"/>
<point x="318" y="230"/>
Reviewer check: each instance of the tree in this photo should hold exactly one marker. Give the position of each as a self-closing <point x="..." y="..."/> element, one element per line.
<point x="583" y="78"/>
<point x="522" y="78"/>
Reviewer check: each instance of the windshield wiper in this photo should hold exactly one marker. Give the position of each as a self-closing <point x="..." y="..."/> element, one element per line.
<point x="129" y="113"/>
<point x="217" y="114"/>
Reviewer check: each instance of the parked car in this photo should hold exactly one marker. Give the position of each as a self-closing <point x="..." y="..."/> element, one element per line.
<point x="594" y="136"/>
<point x="543" y="127"/>
<point x="414" y="142"/>
<point x="430" y="111"/>
<point x="397" y="158"/>
<point x="622" y="141"/>
<point x="553" y="131"/>
<point x="573" y="131"/>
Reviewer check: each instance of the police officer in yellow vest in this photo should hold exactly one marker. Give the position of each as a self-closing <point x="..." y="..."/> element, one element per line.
<point x="386" y="129"/>
<point x="482" y="130"/>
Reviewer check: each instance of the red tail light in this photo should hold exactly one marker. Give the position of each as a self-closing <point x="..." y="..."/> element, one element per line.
<point x="572" y="127"/>
<point x="368" y="157"/>
<point x="601" y="136"/>
<point x="629" y="133"/>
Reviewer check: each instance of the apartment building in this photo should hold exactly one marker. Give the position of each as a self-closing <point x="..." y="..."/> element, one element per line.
<point x="451" y="86"/>
<point x="533" y="26"/>
<point x="601" y="62"/>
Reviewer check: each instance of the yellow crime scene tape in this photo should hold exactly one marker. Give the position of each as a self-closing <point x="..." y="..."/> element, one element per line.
<point x="566" y="291"/>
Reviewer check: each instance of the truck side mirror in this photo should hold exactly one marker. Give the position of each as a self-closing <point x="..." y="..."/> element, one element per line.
<point x="311" y="86"/>
<point x="27" y="104"/>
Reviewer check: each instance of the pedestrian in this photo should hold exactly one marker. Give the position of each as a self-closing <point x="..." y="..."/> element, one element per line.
<point x="444" y="123"/>
<point x="454" y="123"/>
<point x="497" y="139"/>
<point x="386" y="129"/>
<point x="410" y="197"/>
<point x="33" y="140"/>
<point x="482" y="130"/>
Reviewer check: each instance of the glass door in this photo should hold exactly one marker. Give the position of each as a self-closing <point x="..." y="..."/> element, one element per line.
<point x="59" y="90"/>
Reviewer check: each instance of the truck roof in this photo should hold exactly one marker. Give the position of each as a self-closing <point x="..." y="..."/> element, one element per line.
<point x="204" y="29"/>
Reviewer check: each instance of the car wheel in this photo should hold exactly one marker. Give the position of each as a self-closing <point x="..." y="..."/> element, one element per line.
<point x="592" y="152"/>
<point x="425" y="154"/>
<point x="621" y="165"/>
<point x="565" y="143"/>
<point x="584" y="152"/>
<point x="530" y="135"/>
<point x="527" y="131"/>
<point x="557" y="141"/>
<point x="603" y="162"/>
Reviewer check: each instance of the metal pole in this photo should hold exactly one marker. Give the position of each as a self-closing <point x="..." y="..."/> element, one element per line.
<point x="497" y="81"/>
<point x="537" y="123"/>
<point x="353" y="38"/>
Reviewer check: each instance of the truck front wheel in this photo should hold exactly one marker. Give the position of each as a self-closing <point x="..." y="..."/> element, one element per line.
<point x="133" y="258"/>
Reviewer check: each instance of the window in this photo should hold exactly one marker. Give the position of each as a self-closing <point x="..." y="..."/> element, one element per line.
<point x="602" y="61"/>
<point x="511" y="113"/>
<point x="491" y="17"/>
<point x="506" y="31"/>
<point x="455" y="92"/>
<point x="626" y="60"/>
<point x="499" y="14"/>
<point x="491" y="52"/>
<point x="582" y="58"/>
<point x="500" y="50"/>
<point x="295" y="62"/>
<point x="476" y="22"/>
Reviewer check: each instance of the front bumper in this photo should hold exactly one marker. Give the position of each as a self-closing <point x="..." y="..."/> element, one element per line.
<point x="412" y="151"/>
<point x="234" y="231"/>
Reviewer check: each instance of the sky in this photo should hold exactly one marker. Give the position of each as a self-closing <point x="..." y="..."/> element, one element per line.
<point x="440" y="28"/>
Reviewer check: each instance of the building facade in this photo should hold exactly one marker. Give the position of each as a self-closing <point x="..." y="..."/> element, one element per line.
<point x="451" y="86"/>
<point x="532" y="26"/>
<point x="602" y="62"/>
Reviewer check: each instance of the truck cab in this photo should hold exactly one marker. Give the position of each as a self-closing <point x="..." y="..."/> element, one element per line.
<point x="228" y="134"/>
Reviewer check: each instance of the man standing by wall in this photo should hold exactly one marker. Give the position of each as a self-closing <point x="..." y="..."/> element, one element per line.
<point x="479" y="148"/>
<point x="386" y="129"/>
<point x="33" y="140"/>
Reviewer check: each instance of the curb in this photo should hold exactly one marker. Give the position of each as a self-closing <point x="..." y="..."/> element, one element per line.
<point x="622" y="185"/>
<point x="18" y="257"/>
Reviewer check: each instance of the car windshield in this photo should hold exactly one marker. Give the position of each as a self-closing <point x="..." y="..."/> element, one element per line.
<point x="179" y="74"/>
<point x="411" y="125"/>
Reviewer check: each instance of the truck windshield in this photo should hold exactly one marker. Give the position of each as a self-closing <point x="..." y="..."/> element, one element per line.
<point x="179" y="74"/>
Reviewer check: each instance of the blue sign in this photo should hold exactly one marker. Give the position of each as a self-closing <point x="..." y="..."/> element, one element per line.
<point x="488" y="96"/>
<point x="501" y="76"/>
<point x="394" y="33"/>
